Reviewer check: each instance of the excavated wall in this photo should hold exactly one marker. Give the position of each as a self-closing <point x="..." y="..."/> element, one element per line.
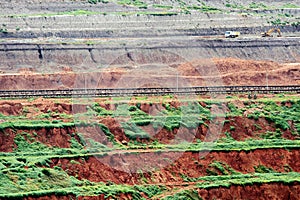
<point x="84" y="26"/>
<point x="44" y="20"/>
<point x="51" y="57"/>
<point x="36" y="6"/>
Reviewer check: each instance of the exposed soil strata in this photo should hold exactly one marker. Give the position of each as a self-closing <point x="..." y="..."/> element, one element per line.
<point x="197" y="73"/>
<point x="149" y="147"/>
<point x="244" y="128"/>
<point x="252" y="192"/>
<point x="171" y="166"/>
<point x="239" y="128"/>
<point x="157" y="166"/>
<point x="51" y="197"/>
<point x="33" y="6"/>
<point x="32" y="108"/>
<point x="69" y="197"/>
<point x="10" y="108"/>
<point x="84" y="57"/>
<point x="7" y="140"/>
<point x="203" y="31"/>
<point x="56" y="137"/>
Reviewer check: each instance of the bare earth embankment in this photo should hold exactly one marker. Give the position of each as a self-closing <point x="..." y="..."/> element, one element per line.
<point x="243" y="146"/>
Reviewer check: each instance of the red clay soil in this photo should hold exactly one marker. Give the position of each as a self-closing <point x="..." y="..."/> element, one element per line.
<point x="58" y="137"/>
<point x="35" y="107"/>
<point x="269" y="191"/>
<point x="99" y="197"/>
<point x="30" y="110"/>
<point x="244" y="128"/>
<point x="253" y="192"/>
<point x="10" y="108"/>
<point x="51" y="197"/>
<point x="7" y="140"/>
<point x="115" y="128"/>
<point x="170" y="166"/>
<point x="228" y="71"/>
<point x="195" y="164"/>
<point x="232" y="71"/>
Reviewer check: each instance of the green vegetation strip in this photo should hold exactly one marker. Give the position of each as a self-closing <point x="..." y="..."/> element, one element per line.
<point x="37" y="181"/>
<point x="35" y="151"/>
<point x="189" y="116"/>
<point x="36" y="124"/>
<point x="87" y="12"/>
<point x="247" y="145"/>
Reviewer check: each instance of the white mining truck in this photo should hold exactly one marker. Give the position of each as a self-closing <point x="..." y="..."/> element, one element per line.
<point x="232" y="34"/>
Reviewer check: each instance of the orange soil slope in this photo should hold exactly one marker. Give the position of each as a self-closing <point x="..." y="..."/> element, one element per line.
<point x="227" y="71"/>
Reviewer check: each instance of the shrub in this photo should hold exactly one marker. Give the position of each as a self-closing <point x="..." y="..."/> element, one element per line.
<point x="272" y="135"/>
<point x="46" y="172"/>
<point x="255" y="115"/>
<point x="107" y="132"/>
<point x="75" y="144"/>
<point x="290" y="5"/>
<point x="136" y="135"/>
<point x="100" y="111"/>
<point x="150" y="190"/>
<point x="133" y="132"/>
<point x="162" y="6"/>
<point x="141" y="122"/>
<point x="263" y="169"/>
<point x="257" y="127"/>
<point x="96" y="1"/>
<point x="93" y="1"/>
<point x="234" y="110"/>
<point x="257" y="5"/>
<point x="295" y="24"/>
<point x="3" y="30"/>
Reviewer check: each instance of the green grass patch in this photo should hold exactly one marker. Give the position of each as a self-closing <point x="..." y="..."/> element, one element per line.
<point x="263" y="169"/>
<point x="87" y="12"/>
<point x="162" y="6"/>
<point x="290" y="5"/>
<point x="137" y="3"/>
<point x="133" y="132"/>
